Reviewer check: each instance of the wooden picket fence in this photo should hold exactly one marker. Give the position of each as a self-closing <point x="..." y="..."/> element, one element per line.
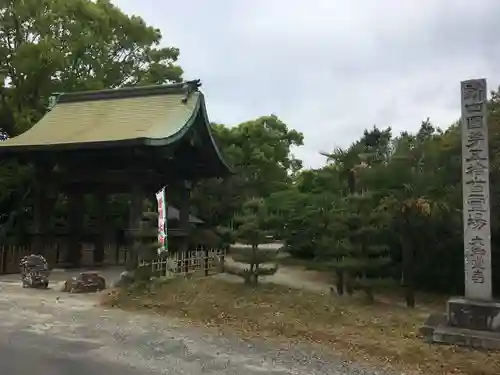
<point x="201" y="262"/>
<point x="10" y="256"/>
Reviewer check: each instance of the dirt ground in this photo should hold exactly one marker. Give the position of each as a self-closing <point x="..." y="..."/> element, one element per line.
<point x="293" y="277"/>
<point x="302" y="310"/>
<point x="50" y="332"/>
<point x="58" y="276"/>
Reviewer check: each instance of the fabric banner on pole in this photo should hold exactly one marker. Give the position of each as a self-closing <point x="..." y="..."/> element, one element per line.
<point x="162" y="220"/>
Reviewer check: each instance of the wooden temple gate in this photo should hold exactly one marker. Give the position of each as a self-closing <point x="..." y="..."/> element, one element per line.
<point x="130" y="141"/>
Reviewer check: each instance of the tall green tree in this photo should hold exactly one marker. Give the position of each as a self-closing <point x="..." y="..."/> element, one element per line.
<point x="49" y="46"/>
<point x="260" y="154"/>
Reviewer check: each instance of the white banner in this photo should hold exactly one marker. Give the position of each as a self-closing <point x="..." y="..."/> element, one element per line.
<point x="161" y="199"/>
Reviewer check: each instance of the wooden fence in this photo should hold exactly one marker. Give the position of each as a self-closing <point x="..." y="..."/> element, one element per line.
<point x="200" y="262"/>
<point x="10" y="256"/>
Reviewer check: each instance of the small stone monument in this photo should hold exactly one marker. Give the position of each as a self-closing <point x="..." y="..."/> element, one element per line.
<point x="473" y="320"/>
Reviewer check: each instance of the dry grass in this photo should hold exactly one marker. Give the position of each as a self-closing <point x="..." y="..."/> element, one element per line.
<point x="380" y="333"/>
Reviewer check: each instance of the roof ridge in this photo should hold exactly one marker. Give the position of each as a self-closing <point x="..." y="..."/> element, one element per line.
<point x="183" y="88"/>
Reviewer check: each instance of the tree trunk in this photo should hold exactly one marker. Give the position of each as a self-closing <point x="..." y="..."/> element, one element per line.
<point x="249" y="274"/>
<point x="340" y="282"/>
<point x="369" y="294"/>
<point x="348" y="283"/>
<point x="255" y="266"/>
<point x="408" y="272"/>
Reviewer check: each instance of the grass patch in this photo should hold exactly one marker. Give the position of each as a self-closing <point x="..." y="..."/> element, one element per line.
<point x="380" y="333"/>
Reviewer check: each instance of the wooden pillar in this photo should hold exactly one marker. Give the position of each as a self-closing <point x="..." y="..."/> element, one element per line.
<point x="75" y="226"/>
<point x="50" y="238"/>
<point x="101" y="227"/>
<point x="40" y="209"/>
<point x="184" y="195"/>
<point x="135" y="214"/>
<point x="205" y="259"/>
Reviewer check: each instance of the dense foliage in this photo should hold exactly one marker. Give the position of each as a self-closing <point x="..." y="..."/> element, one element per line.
<point x="51" y="46"/>
<point x="413" y="180"/>
<point x="259" y="152"/>
<point x="410" y="185"/>
<point x="388" y="206"/>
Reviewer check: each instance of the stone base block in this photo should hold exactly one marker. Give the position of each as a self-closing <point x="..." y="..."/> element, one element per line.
<point x="430" y="325"/>
<point x="473" y="315"/>
<point x="468" y="323"/>
<point x="444" y="334"/>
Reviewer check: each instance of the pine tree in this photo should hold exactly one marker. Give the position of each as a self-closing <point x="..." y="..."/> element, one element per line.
<point x="329" y="249"/>
<point x="364" y="253"/>
<point x="147" y="251"/>
<point x="252" y="229"/>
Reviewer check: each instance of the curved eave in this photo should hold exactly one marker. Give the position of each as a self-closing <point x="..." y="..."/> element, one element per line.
<point x="202" y="107"/>
<point x="142" y="141"/>
<point x="199" y="105"/>
<point x="197" y="118"/>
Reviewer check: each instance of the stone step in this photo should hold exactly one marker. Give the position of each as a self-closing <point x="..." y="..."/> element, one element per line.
<point x="466" y="337"/>
<point x="430" y="325"/>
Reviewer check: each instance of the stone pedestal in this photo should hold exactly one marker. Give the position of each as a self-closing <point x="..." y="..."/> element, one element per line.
<point x="476" y="315"/>
<point x="467" y="323"/>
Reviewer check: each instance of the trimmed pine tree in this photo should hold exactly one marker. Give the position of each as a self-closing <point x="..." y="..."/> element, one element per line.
<point x="252" y="229"/>
<point x="365" y="256"/>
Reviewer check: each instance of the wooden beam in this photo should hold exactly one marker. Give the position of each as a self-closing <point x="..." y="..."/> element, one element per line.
<point x="108" y="176"/>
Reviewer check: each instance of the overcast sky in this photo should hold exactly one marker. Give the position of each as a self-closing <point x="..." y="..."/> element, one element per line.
<point x="331" y="68"/>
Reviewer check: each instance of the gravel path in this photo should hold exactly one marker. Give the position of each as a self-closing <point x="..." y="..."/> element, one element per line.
<point x="50" y="333"/>
<point x="293" y="277"/>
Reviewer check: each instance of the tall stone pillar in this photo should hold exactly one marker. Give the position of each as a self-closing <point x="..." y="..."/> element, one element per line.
<point x="474" y="320"/>
<point x="476" y="191"/>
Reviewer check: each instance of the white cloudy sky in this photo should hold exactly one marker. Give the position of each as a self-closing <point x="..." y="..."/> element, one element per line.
<point x="331" y="68"/>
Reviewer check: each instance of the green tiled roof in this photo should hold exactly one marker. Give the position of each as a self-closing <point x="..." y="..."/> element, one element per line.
<point x="154" y="116"/>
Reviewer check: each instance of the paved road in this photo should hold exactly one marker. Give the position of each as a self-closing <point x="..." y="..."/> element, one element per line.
<point x="50" y="333"/>
<point x="23" y="353"/>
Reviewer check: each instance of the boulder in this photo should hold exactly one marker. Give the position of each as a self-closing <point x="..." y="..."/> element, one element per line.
<point x="126" y="279"/>
<point x="85" y="282"/>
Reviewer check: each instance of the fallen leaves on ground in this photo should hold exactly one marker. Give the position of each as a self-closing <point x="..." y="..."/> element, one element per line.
<point x="382" y="333"/>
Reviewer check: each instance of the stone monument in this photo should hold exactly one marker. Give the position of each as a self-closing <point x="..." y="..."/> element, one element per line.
<point x="476" y="191"/>
<point x="473" y="320"/>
